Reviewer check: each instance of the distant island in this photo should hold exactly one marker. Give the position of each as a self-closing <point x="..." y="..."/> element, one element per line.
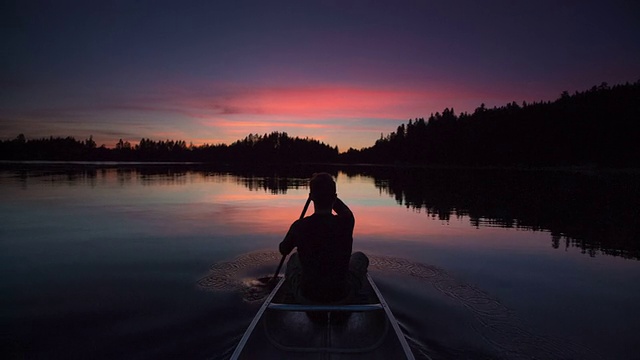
<point x="596" y="127"/>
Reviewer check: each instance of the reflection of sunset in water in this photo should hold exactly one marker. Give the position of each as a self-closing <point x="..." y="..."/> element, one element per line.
<point x="221" y="205"/>
<point x="133" y="239"/>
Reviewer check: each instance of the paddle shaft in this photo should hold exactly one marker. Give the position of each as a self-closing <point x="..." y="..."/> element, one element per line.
<point x="304" y="211"/>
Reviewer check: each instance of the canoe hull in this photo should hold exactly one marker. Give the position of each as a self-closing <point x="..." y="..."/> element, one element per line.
<point x="282" y="329"/>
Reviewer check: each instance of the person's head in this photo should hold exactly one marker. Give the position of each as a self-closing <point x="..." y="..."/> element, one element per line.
<point x="322" y="190"/>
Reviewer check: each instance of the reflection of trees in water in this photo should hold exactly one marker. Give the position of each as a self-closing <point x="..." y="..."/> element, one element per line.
<point x="154" y="175"/>
<point x="594" y="212"/>
<point x="56" y="175"/>
<point x="276" y="180"/>
<point x="274" y="184"/>
<point x="597" y="213"/>
<point x="73" y="174"/>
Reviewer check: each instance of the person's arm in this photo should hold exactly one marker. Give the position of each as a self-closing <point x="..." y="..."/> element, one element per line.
<point x="287" y="245"/>
<point x="341" y="208"/>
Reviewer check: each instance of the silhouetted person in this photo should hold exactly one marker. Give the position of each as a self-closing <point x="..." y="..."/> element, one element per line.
<point x="323" y="269"/>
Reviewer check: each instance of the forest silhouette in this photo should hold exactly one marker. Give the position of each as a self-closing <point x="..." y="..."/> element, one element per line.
<point x="276" y="147"/>
<point x="596" y="127"/>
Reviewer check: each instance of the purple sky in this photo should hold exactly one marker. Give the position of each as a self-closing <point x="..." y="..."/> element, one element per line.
<point x="212" y="72"/>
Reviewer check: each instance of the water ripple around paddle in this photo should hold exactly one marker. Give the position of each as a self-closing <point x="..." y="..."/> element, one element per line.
<point x="496" y="324"/>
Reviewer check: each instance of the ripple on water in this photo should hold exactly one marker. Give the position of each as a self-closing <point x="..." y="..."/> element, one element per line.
<point x="496" y="324"/>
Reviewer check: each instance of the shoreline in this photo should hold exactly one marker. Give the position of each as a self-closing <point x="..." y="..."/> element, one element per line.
<point x="583" y="169"/>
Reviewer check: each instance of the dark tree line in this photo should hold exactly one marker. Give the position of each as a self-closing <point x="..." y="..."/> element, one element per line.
<point x="51" y="148"/>
<point x="278" y="147"/>
<point x="275" y="147"/>
<point x="595" y="127"/>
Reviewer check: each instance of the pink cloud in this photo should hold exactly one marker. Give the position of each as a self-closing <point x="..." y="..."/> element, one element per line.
<point x="310" y="102"/>
<point x="267" y="124"/>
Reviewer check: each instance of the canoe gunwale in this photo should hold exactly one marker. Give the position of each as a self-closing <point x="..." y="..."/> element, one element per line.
<point x="393" y="321"/>
<point x="256" y="319"/>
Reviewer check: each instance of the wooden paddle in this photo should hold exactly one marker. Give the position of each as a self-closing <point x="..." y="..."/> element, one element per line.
<point x="304" y="211"/>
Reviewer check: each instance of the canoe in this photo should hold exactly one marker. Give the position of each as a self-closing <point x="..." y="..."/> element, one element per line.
<point x="364" y="329"/>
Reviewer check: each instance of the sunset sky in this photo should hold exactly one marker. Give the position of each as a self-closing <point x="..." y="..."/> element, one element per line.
<point x="342" y="72"/>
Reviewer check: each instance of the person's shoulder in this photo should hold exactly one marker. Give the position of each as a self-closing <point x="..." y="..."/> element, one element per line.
<point x="345" y="219"/>
<point x="296" y="223"/>
<point x="302" y="222"/>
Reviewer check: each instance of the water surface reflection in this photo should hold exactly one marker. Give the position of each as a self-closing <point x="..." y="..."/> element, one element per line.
<point x="111" y="255"/>
<point x="596" y="212"/>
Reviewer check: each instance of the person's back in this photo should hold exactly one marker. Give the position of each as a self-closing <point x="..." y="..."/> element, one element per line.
<point x="324" y="246"/>
<point x="322" y="268"/>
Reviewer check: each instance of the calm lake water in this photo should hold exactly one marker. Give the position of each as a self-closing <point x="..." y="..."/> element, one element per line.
<point x="154" y="262"/>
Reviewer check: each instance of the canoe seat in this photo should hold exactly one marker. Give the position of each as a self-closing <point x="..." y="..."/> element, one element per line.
<point x="346" y="308"/>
